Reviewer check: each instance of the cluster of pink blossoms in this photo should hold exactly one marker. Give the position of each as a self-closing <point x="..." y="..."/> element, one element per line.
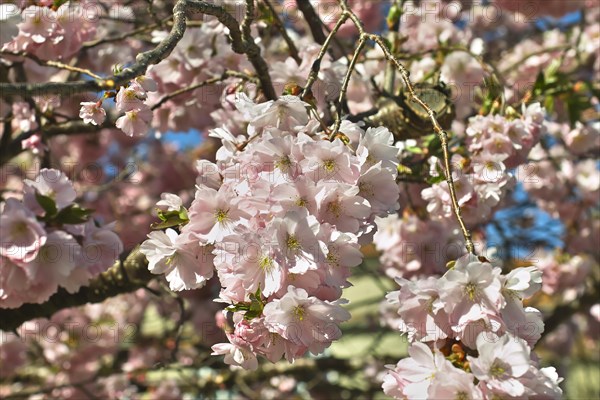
<point x="50" y="34"/>
<point x="281" y="220"/>
<point x="420" y="246"/>
<point x="499" y="139"/>
<point x="495" y="144"/>
<point x="414" y="247"/>
<point x="203" y="53"/>
<point x="478" y="334"/>
<point x="48" y="241"/>
<point x="130" y="100"/>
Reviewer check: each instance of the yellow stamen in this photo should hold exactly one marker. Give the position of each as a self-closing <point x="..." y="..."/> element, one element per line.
<point x="329" y="165"/>
<point x="293" y="243"/>
<point x="299" y="312"/>
<point x="221" y="215"/>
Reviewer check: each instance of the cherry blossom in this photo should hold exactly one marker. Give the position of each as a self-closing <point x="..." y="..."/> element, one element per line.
<point x="53" y="184"/>
<point x="92" y="112"/>
<point x="41" y="252"/>
<point x="185" y="264"/>
<point x="305" y="320"/>
<point x="135" y="122"/>
<point x="35" y="144"/>
<point x="22" y="234"/>
<point x="501" y="361"/>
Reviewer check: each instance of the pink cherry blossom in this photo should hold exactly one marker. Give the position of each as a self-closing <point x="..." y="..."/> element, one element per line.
<point x="295" y="236"/>
<point x="305" y="320"/>
<point x="501" y="362"/>
<point x="100" y="247"/>
<point x="414" y="375"/>
<point x="235" y="355"/>
<point x="130" y="98"/>
<point x="50" y="183"/>
<point x="421" y="310"/>
<point x="213" y="214"/>
<point x="340" y="205"/>
<point x="253" y="260"/>
<point x="22" y="235"/>
<point x="38" y="23"/>
<point x="92" y="112"/>
<point x="178" y="256"/>
<point x="329" y="161"/>
<point x="470" y="284"/>
<point x="35" y="144"/>
<point x="135" y="122"/>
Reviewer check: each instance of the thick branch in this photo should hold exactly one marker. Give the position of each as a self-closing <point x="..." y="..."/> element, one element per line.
<point x="252" y="51"/>
<point x="143" y="61"/>
<point x="123" y="277"/>
<point x="241" y="44"/>
<point x="12" y="149"/>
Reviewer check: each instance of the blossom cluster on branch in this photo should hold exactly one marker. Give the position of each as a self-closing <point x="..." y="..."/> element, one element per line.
<point x="48" y="241"/>
<point x="281" y="221"/>
<point x="454" y="142"/>
<point x="470" y="335"/>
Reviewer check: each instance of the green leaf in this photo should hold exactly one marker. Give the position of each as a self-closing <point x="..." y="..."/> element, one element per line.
<point x="404" y="170"/>
<point x="415" y="150"/>
<point x="239" y="307"/>
<point x="73" y="214"/>
<point x="428" y="138"/>
<point x="551" y="73"/>
<point x="435" y="179"/>
<point x="256" y="306"/>
<point x="539" y="85"/>
<point x="58" y="3"/>
<point x="171" y="218"/>
<point x="435" y="145"/>
<point x="549" y="104"/>
<point x="165" y="224"/>
<point x="183" y="215"/>
<point x="253" y="309"/>
<point x="47" y="203"/>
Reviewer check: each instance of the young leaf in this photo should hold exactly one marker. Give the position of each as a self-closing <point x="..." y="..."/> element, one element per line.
<point x="73" y="214"/>
<point x="47" y="203"/>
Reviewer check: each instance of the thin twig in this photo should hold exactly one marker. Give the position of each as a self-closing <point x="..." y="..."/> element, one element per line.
<point x="442" y="134"/>
<point x="145" y="28"/>
<point x="211" y="81"/>
<point x="345" y="83"/>
<point x="316" y="67"/>
<point x="50" y="63"/>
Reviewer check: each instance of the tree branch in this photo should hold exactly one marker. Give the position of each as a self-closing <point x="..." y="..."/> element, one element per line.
<point x="14" y="148"/>
<point x="143" y="61"/>
<point x="211" y="81"/>
<point x="314" y="22"/>
<point x="123" y="277"/>
<point x="240" y="44"/>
